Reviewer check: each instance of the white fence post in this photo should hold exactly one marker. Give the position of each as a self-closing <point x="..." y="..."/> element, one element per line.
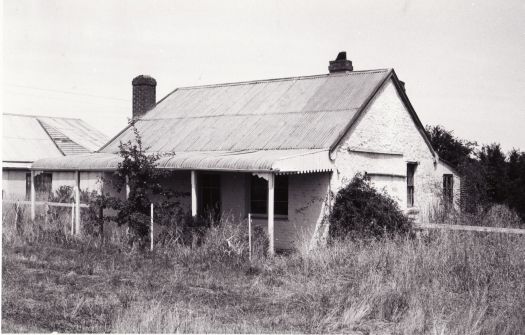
<point x="250" y="236"/>
<point x="193" y="193"/>
<point x="271" y="210"/>
<point x="72" y="217"/>
<point x="77" y="203"/>
<point x="33" y="195"/>
<point x="151" y="230"/>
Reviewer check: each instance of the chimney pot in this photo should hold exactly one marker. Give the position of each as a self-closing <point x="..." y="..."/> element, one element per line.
<point x="402" y="85"/>
<point x="144" y="95"/>
<point x="340" y="64"/>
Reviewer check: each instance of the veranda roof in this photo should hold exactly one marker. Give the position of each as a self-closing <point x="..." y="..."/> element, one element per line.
<point x="278" y="161"/>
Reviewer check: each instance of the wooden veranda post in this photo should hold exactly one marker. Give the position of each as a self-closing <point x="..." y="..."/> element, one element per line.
<point x="271" y="197"/>
<point x="151" y="229"/>
<point x="33" y="195"/>
<point x="77" y="203"/>
<point x="193" y="193"/>
<point x="250" y="236"/>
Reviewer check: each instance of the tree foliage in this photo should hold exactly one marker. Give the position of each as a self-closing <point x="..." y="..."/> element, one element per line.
<point x="139" y="173"/>
<point x="489" y="176"/>
<point x="361" y="211"/>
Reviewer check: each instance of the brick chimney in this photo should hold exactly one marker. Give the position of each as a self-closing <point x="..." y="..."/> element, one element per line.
<point x="340" y="64"/>
<point x="144" y="95"/>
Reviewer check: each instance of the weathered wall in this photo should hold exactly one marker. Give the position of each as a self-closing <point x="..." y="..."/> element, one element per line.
<point x="63" y="179"/>
<point x="382" y="141"/>
<point x="14" y="184"/>
<point x="234" y="195"/>
<point x="307" y="199"/>
<point x="179" y="182"/>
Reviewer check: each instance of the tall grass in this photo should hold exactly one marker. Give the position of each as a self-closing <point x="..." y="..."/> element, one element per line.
<point x="442" y="283"/>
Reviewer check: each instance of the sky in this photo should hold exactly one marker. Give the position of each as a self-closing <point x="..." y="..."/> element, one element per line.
<point x="463" y="61"/>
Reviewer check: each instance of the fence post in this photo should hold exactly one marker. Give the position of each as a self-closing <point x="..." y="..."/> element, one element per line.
<point x="77" y="203"/>
<point x="72" y="217"/>
<point x="46" y="209"/>
<point x="151" y="229"/>
<point x="17" y="206"/>
<point x="33" y="195"/>
<point x="250" y="236"/>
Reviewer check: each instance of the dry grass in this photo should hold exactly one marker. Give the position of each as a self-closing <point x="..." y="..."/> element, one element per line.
<point x="462" y="283"/>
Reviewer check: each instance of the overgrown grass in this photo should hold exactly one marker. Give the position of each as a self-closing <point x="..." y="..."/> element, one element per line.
<point x="464" y="283"/>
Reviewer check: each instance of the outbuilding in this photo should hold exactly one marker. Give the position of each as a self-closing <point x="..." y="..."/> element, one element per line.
<point x="27" y="138"/>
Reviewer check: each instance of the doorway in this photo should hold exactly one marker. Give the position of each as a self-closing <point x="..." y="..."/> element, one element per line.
<point x="210" y="195"/>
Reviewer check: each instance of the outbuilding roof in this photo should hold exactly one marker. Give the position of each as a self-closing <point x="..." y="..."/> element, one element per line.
<point x="27" y="138"/>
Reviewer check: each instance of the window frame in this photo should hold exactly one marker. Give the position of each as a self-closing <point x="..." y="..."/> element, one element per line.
<point x="410" y="181"/>
<point x="281" y="196"/>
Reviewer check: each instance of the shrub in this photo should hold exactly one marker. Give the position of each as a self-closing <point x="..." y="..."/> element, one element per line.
<point x="362" y="211"/>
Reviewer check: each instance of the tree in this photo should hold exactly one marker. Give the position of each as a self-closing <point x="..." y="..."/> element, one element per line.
<point x="488" y="175"/>
<point x="450" y="148"/>
<point x="138" y="170"/>
<point x="361" y="211"/>
<point x="494" y="163"/>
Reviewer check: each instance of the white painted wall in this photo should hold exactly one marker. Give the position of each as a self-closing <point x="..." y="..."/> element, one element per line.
<point x="62" y="179"/>
<point x="307" y="206"/>
<point x="14" y="184"/>
<point x="387" y="131"/>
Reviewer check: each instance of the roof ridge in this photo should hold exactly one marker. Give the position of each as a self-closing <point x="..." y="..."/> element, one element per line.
<point x="248" y="114"/>
<point x="44" y="116"/>
<point x="248" y="82"/>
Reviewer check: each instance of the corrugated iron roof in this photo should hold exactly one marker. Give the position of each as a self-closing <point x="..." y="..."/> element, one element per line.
<point x="296" y="160"/>
<point x="27" y="138"/>
<point x="281" y="114"/>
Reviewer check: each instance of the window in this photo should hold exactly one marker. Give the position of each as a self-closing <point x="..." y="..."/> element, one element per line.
<point x="411" y="170"/>
<point x="259" y="195"/>
<point x="43" y="182"/>
<point x="448" y="189"/>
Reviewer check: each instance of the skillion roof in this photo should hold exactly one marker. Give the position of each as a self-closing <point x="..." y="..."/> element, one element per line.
<point x="282" y="125"/>
<point x="27" y="138"/>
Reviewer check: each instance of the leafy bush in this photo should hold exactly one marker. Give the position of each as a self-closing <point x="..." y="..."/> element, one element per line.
<point x="362" y="211"/>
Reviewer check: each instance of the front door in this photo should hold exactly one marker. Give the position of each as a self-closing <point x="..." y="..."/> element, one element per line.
<point x="210" y="195"/>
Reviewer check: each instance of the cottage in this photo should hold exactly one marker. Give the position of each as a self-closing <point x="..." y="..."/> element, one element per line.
<point x="279" y="149"/>
<point x="27" y="138"/>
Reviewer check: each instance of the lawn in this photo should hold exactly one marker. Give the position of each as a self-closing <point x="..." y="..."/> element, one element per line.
<point x="441" y="284"/>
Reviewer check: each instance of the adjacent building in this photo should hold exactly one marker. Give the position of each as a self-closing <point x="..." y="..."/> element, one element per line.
<point x="27" y="138"/>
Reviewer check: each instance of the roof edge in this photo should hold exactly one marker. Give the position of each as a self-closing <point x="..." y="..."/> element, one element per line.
<point x="450" y="166"/>
<point x="360" y="111"/>
<point x="402" y="93"/>
<point x="51" y="138"/>
<point x="404" y="98"/>
<point x="44" y="116"/>
<point x="283" y="79"/>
